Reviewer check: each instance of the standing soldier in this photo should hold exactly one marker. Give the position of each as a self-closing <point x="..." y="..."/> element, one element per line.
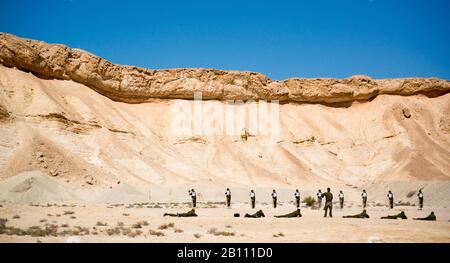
<point x="364" y="198"/>
<point x="297" y="198"/>
<point x="228" y="197"/>
<point x="391" y="199"/>
<point x="328" y="202"/>
<point x="420" y="195"/>
<point x="341" y="199"/>
<point x="274" y="198"/>
<point x="193" y="195"/>
<point x="252" y="198"/>
<point x="319" y="198"/>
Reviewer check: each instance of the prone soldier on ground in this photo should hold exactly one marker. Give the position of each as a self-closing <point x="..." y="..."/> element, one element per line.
<point x="401" y="215"/>
<point x="191" y="213"/>
<point x="296" y="213"/>
<point x="360" y="215"/>
<point x="258" y="214"/>
<point x="430" y="217"/>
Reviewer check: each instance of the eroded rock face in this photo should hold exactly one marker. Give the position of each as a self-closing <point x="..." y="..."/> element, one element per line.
<point x="137" y="85"/>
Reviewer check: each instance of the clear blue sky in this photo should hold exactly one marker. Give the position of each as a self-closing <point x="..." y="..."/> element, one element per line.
<point x="281" y="39"/>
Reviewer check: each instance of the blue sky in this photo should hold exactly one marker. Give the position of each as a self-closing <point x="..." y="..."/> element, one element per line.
<point x="281" y="39"/>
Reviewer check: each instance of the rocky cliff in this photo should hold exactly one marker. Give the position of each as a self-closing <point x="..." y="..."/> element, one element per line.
<point x="137" y="85"/>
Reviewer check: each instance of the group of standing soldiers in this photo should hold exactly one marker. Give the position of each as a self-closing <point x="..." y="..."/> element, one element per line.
<point x="327" y="195"/>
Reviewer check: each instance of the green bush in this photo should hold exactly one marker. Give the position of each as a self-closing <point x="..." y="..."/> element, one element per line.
<point x="309" y="200"/>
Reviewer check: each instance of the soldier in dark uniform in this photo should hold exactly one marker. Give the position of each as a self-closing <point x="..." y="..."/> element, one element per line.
<point x="341" y="199"/>
<point x="297" y="198"/>
<point x="193" y="195"/>
<point x="228" y="197"/>
<point x="328" y="202"/>
<point x="360" y="215"/>
<point x="430" y="217"/>
<point x="256" y="215"/>
<point x="390" y="196"/>
<point x="191" y="213"/>
<point x="252" y="198"/>
<point x="420" y="196"/>
<point x="274" y="198"/>
<point x="296" y="213"/>
<point x="319" y="198"/>
<point x="400" y="215"/>
<point x="364" y="198"/>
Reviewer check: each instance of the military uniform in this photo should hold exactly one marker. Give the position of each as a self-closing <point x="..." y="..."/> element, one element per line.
<point x="191" y="213"/>
<point x="400" y="215"/>
<point x="430" y="217"/>
<point x="296" y="213"/>
<point x="420" y="196"/>
<point x="256" y="215"/>
<point x="297" y="198"/>
<point x="319" y="199"/>
<point x="274" y="199"/>
<point x="228" y="197"/>
<point x="360" y="215"/>
<point x="364" y="198"/>
<point x="252" y="199"/>
<point x="194" y="198"/>
<point x="341" y="199"/>
<point x="391" y="200"/>
<point x="328" y="203"/>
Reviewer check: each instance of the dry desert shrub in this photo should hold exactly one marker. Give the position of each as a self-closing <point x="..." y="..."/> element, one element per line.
<point x="68" y="213"/>
<point x="213" y="231"/>
<point x="278" y="235"/>
<point x="178" y="231"/>
<point x="166" y="226"/>
<point x="310" y="201"/>
<point x="16" y="217"/>
<point x="156" y="233"/>
<point x="135" y="233"/>
<point x="197" y="235"/>
<point x="99" y="223"/>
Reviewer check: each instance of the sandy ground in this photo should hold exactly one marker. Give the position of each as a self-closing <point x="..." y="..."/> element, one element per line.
<point x="312" y="227"/>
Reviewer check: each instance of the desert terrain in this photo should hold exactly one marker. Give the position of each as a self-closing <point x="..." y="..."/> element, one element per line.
<point x="82" y="136"/>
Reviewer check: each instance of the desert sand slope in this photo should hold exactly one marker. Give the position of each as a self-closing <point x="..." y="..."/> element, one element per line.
<point x="81" y="138"/>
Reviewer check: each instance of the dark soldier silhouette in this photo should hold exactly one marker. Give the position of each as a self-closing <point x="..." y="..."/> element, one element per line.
<point x="430" y="217"/>
<point x="252" y="198"/>
<point x="193" y="195"/>
<point x="360" y="215"/>
<point x="191" y="213"/>
<point x="341" y="199"/>
<point x="319" y="198"/>
<point x="297" y="198"/>
<point x="390" y="196"/>
<point x="228" y="197"/>
<point x="274" y="198"/>
<point x="296" y="213"/>
<point x="256" y="215"/>
<point x="364" y="198"/>
<point x="400" y="215"/>
<point x="420" y="196"/>
<point x="328" y="202"/>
